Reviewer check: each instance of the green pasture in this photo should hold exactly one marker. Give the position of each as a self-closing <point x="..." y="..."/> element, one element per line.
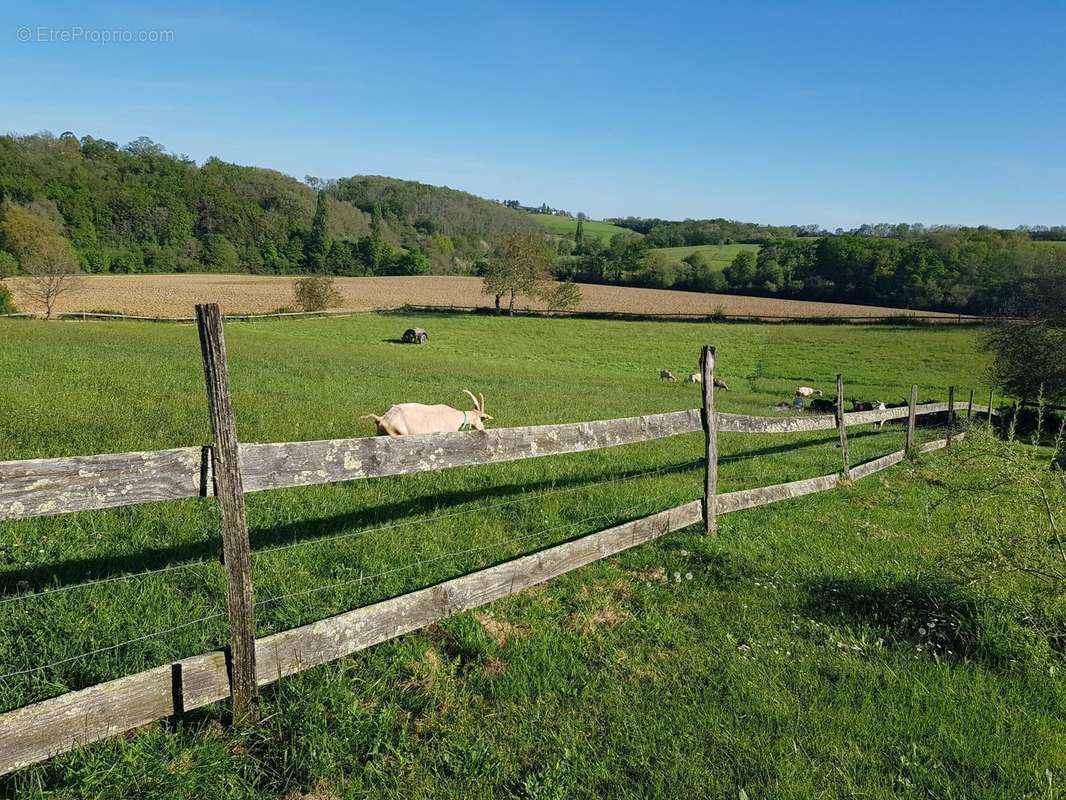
<point x="567" y="226"/>
<point x="718" y="255"/>
<point x="781" y="658"/>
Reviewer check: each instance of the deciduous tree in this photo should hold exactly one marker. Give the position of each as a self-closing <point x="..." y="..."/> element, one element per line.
<point x="565" y="296"/>
<point x="521" y="265"/>
<point x="1030" y="346"/>
<point x="44" y="253"/>
<point x="318" y="241"/>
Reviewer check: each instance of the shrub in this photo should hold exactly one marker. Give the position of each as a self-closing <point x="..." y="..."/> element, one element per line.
<point x="9" y="265"/>
<point x="1004" y="505"/>
<point x="316" y="293"/>
<point x="7" y="305"/>
<point x="564" y="297"/>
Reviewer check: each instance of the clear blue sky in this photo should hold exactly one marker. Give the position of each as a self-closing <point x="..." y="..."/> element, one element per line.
<point x="829" y="113"/>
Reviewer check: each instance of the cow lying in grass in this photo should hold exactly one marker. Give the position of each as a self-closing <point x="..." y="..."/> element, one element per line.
<point x="409" y="419"/>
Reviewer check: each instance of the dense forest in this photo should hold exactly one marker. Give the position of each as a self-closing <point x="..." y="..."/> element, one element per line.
<point x="102" y="208"/>
<point x="137" y="208"/>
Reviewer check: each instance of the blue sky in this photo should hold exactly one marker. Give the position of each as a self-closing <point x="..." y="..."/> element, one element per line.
<point x="828" y="113"/>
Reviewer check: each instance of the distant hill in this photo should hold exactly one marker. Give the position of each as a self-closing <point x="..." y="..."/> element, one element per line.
<point x="673" y="233"/>
<point x="718" y="256"/>
<point x="567" y="226"/>
<point x="138" y="208"/>
<point x="452" y="226"/>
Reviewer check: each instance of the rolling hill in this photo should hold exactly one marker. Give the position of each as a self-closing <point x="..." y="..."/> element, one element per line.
<point x="719" y="255"/>
<point x="566" y="226"/>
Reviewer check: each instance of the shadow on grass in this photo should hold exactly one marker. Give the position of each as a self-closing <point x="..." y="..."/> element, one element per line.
<point x="77" y="570"/>
<point x="934" y="616"/>
<point x="829" y="437"/>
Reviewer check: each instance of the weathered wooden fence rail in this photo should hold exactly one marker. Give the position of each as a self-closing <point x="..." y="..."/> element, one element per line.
<point x="44" y="487"/>
<point x="891" y="316"/>
<point x="229" y="469"/>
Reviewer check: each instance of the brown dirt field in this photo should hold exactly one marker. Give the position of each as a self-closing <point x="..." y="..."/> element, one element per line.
<point x="175" y="296"/>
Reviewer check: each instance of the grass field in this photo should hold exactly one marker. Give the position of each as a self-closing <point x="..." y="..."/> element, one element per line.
<point x="719" y="255"/>
<point x="567" y="226"/>
<point x="782" y="657"/>
<point x="175" y="296"/>
<point x="1060" y="245"/>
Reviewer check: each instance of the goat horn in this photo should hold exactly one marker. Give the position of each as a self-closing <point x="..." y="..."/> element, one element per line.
<point x="467" y="391"/>
<point x="479" y="394"/>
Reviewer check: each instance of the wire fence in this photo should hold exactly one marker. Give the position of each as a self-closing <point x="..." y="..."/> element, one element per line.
<point x="362" y="579"/>
<point x="772" y="471"/>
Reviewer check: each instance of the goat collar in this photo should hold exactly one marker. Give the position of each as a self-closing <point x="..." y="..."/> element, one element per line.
<point x="466" y="423"/>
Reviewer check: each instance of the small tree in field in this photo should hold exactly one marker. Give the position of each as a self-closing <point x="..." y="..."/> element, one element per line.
<point x="316" y="293"/>
<point x="48" y="261"/>
<point x="564" y="297"/>
<point x="522" y="265"/>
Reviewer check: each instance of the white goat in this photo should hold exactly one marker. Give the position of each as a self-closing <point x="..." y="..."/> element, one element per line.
<point x="409" y="419"/>
<point x="879" y="406"/>
<point x="695" y="377"/>
<point x="807" y="391"/>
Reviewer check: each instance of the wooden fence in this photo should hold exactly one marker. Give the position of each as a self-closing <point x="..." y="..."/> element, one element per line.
<point x="890" y="317"/>
<point x="227" y="469"/>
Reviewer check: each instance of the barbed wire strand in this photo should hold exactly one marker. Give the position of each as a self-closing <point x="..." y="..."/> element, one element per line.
<point x="452" y="554"/>
<point x="111" y="647"/>
<point x="403" y="523"/>
<point x="475" y="509"/>
<point x="327" y="587"/>
<point x="124" y="577"/>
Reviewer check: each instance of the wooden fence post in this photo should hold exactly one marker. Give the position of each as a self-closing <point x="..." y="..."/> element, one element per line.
<point x="229" y="490"/>
<point x="991" y="399"/>
<point x="951" y="412"/>
<point x="911" y="418"/>
<point x="969" y="406"/>
<point x="710" y="432"/>
<point x="842" y="427"/>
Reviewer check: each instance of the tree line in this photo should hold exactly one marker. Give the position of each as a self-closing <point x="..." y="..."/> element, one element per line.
<point x="137" y="208"/>
<point x="971" y="270"/>
<point x="90" y="205"/>
<point x="670" y="233"/>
